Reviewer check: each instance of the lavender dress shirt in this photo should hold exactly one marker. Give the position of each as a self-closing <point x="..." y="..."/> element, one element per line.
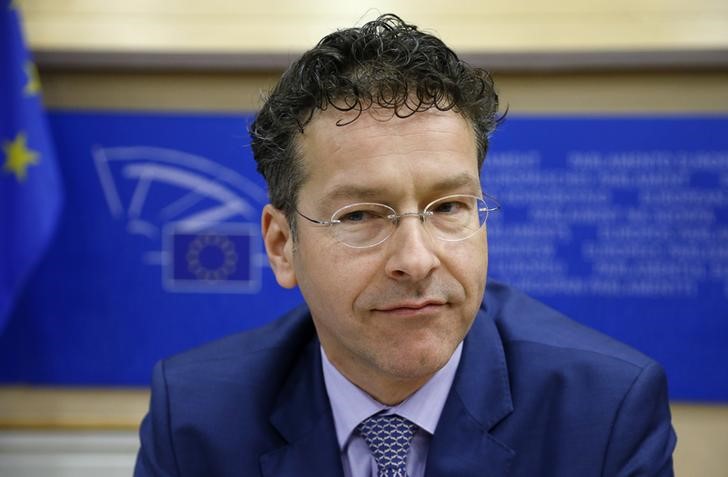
<point x="351" y="405"/>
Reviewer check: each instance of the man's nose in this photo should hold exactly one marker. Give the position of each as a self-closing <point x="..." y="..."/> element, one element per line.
<point x="411" y="250"/>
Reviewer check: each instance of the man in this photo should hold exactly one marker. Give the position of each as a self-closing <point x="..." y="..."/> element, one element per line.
<point x="401" y="363"/>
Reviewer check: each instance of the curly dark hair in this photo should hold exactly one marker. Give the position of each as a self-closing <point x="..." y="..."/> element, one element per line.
<point x="386" y="63"/>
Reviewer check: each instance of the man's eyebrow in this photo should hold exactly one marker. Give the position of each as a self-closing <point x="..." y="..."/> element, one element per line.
<point x="353" y="192"/>
<point x="458" y="181"/>
<point x="360" y="192"/>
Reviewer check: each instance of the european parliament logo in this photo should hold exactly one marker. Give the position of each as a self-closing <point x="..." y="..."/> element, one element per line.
<point x="201" y="216"/>
<point x="215" y="259"/>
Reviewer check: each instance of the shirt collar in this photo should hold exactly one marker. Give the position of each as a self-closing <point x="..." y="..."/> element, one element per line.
<point x="351" y="405"/>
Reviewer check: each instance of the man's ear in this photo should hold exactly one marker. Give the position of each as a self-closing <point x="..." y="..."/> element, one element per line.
<point x="278" y="245"/>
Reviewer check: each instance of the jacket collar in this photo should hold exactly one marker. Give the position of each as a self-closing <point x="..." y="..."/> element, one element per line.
<point x="302" y="415"/>
<point x="480" y="398"/>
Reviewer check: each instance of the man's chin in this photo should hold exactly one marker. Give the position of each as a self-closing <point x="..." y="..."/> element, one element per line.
<point x="417" y="364"/>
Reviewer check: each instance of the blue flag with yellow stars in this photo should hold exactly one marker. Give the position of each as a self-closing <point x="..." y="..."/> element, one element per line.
<point x="30" y="185"/>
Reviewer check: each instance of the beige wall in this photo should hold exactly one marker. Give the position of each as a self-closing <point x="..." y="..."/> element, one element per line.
<point x="292" y="25"/>
<point x="80" y="29"/>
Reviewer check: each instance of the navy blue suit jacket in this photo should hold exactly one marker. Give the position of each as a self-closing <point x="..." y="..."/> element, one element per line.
<point x="536" y="394"/>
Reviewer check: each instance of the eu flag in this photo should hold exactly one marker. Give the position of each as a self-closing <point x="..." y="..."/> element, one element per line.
<point x="220" y="258"/>
<point x="30" y="185"/>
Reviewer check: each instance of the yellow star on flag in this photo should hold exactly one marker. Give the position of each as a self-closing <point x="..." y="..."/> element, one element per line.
<point x="33" y="85"/>
<point x="18" y="157"/>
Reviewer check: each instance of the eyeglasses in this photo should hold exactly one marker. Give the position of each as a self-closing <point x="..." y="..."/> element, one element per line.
<point x="451" y="218"/>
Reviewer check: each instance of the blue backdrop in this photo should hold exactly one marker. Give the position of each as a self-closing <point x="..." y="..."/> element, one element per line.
<point x="621" y="222"/>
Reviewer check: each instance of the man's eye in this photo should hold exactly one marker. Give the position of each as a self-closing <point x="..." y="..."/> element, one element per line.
<point x="358" y="216"/>
<point x="451" y="207"/>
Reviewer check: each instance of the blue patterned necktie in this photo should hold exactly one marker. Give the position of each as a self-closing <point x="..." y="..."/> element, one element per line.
<point x="388" y="438"/>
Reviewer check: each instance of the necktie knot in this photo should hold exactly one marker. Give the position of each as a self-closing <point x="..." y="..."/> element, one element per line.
<point x="389" y="438"/>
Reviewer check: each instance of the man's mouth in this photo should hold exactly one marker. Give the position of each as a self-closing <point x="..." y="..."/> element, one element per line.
<point x="406" y="308"/>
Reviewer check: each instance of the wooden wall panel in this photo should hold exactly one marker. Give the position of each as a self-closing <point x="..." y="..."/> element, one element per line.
<point x="634" y="93"/>
<point x="293" y="26"/>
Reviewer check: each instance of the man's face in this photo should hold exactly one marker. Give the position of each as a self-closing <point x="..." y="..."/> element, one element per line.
<point x="395" y="312"/>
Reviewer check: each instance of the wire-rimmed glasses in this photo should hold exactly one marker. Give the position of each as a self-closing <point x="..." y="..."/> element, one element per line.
<point x="451" y="218"/>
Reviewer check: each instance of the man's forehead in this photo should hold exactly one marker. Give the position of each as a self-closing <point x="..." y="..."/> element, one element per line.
<point x="376" y="128"/>
<point x="368" y="159"/>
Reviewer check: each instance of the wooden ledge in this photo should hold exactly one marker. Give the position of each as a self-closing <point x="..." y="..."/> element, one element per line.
<point x="72" y="408"/>
<point x="553" y="61"/>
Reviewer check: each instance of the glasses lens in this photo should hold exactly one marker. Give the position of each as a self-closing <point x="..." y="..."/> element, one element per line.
<point x="456" y="217"/>
<point x="363" y="225"/>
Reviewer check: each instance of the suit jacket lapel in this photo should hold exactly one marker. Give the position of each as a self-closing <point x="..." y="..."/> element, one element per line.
<point x="302" y="415"/>
<point x="479" y="399"/>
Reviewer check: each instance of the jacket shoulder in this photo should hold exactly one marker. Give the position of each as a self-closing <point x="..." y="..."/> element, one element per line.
<point x="525" y="322"/>
<point x="212" y="401"/>
<point x="606" y="402"/>
<point x="275" y="342"/>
